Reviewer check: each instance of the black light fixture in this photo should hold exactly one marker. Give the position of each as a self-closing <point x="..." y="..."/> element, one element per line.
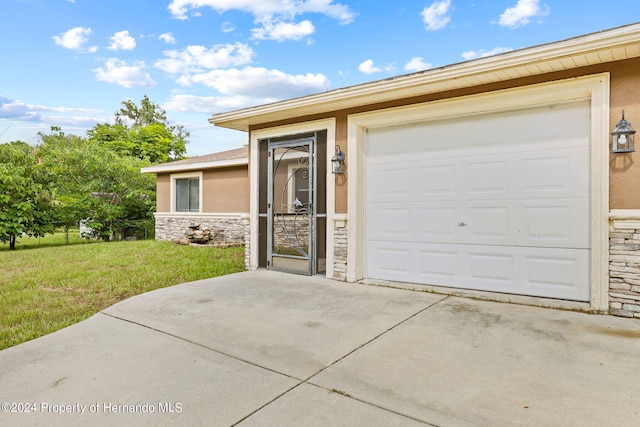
<point x="337" y="162"/>
<point x="622" y="137"/>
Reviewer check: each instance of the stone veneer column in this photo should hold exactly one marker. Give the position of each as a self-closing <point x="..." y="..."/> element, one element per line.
<point x="340" y="249"/>
<point x="624" y="263"/>
<point x="247" y="243"/>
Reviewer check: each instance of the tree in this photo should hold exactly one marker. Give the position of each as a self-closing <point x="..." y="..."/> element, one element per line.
<point x="96" y="184"/>
<point x="143" y="132"/>
<point x="26" y="206"/>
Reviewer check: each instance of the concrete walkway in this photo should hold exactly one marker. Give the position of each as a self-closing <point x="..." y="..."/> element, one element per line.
<point x="269" y="349"/>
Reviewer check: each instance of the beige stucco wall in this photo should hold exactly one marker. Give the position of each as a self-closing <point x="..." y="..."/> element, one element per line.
<point x="225" y="190"/>
<point x="625" y="94"/>
<point x="624" y="169"/>
<point x="163" y="191"/>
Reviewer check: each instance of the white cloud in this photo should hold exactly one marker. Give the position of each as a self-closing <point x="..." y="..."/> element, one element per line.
<point x="74" y="38"/>
<point x="367" y="67"/>
<point x="266" y="9"/>
<point x="417" y="64"/>
<point x="15" y="110"/>
<point x="281" y="31"/>
<point x="119" y="72"/>
<point x="275" y="18"/>
<point x="167" y="38"/>
<point x="522" y="13"/>
<point x="11" y="109"/>
<point x="122" y="41"/>
<point x="227" y="27"/>
<point x="212" y="104"/>
<point x="473" y="54"/>
<point x="436" y="16"/>
<point x="195" y="58"/>
<point x="257" y="82"/>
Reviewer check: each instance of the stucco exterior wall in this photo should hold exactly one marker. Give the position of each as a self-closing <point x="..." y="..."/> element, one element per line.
<point x="625" y="94"/>
<point x="224" y="190"/>
<point x="163" y="190"/>
<point x="624" y="171"/>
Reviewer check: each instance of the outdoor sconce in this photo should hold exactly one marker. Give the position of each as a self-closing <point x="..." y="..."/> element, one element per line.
<point x="622" y="137"/>
<point x="337" y="162"/>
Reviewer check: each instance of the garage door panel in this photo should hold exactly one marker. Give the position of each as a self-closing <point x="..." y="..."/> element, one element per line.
<point x="439" y="264"/>
<point x="505" y="211"/>
<point x="495" y="267"/>
<point x="488" y="178"/>
<point x="515" y="270"/>
<point x="487" y="223"/>
<point x="555" y="223"/>
<point x="563" y="273"/>
<point x="391" y="183"/>
<point x="437" y="181"/>
<point x="394" y="223"/>
<point x="437" y="223"/>
<point x="559" y="173"/>
<point x="390" y="260"/>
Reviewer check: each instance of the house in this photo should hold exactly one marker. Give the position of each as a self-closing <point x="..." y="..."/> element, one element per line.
<point x="492" y="177"/>
<point x="211" y="191"/>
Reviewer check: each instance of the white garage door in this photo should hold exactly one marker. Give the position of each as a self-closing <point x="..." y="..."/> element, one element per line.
<point x="497" y="202"/>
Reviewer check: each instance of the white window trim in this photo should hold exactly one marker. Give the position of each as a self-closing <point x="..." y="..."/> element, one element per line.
<point x="313" y="126"/>
<point x="174" y="177"/>
<point x="596" y="88"/>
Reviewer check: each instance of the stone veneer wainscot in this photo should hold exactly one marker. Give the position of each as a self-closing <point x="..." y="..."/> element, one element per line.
<point x="624" y="263"/>
<point x="228" y="230"/>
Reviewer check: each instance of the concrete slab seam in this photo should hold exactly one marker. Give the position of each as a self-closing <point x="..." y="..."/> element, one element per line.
<point x="348" y="396"/>
<point x="305" y="381"/>
<point x="201" y="346"/>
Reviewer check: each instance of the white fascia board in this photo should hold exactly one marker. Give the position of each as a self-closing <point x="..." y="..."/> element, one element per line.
<point x="194" y="166"/>
<point x="572" y="53"/>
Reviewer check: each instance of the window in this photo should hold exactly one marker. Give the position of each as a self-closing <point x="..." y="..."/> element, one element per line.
<point x="187" y="192"/>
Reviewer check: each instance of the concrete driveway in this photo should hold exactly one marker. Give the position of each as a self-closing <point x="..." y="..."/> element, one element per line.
<point x="269" y="349"/>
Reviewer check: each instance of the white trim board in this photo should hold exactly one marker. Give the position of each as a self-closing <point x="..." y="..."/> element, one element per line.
<point x="595" y="88"/>
<point x="172" y="191"/>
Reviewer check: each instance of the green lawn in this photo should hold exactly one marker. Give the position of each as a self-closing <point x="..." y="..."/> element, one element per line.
<point x="48" y="288"/>
<point x="58" y="239"/>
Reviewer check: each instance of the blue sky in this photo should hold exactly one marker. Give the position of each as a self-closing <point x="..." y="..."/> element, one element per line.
<point x="70" y="63"/>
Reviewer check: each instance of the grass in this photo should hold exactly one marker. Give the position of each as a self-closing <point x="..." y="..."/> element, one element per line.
<point x="48" y="288"/>
<point x="57" y="239"/>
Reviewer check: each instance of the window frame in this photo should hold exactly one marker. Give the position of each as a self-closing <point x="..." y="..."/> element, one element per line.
<point x="174" y="191"/>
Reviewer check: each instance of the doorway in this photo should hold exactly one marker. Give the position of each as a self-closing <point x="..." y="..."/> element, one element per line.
<point x="295" y="212"/>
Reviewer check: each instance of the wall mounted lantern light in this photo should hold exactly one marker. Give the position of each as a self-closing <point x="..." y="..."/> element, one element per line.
<point x="337" y="162"/>
<point x="622" y="137"/>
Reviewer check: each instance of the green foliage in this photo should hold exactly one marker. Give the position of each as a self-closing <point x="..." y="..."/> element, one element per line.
<point x="26" y="206"/>
<point x="96" y="184"/>
<point x="68" y="178"/>
<point x="142" y="132"/>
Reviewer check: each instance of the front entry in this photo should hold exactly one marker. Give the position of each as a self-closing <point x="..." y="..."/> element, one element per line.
<point x="295" y="218"/>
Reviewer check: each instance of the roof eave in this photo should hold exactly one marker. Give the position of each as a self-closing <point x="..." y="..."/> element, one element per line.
<point x="592" y="49"/>
<point x="194" y="166"/>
